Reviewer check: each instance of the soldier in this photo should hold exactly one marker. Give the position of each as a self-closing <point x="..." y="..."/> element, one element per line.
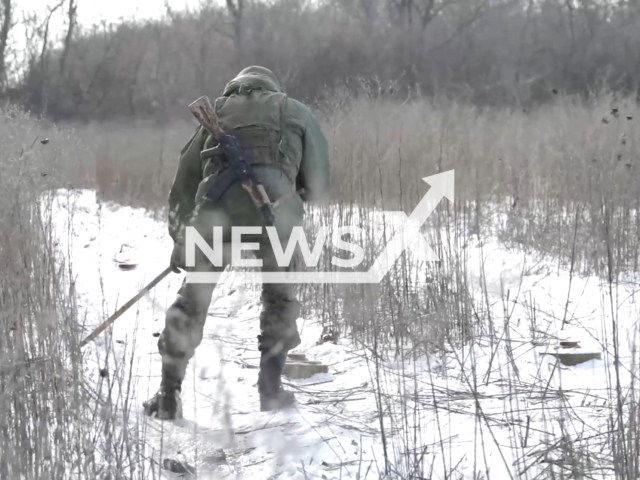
<point x="289" y="153"/>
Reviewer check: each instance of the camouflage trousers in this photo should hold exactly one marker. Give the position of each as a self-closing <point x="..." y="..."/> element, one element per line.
<point x="185" y="318"/>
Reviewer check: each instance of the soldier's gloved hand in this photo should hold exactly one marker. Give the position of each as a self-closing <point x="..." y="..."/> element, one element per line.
<point x="177" y="258"/>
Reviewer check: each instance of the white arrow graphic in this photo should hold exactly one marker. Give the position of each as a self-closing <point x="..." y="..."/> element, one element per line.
<point x="409" y="236"/>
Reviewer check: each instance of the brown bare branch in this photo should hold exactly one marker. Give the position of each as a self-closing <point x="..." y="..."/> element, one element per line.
<point x="72" y="14"/>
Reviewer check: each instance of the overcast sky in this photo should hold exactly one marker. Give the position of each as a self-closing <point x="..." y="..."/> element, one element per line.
<point x="90" y="12"/>
<point x="93" y="11"/>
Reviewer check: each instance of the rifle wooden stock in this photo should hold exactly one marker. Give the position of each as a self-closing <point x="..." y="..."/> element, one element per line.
<point x="206" y="115"/>
<point x="203" y="111"/>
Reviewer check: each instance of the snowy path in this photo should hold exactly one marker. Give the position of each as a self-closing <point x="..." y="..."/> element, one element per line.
<point x="431" y="414"/>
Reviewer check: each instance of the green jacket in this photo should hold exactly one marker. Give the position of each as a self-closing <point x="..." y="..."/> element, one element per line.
<point x="284" y="142"/>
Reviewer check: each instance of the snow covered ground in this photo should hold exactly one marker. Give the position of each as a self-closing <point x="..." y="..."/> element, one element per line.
<point x="494" y="409"/>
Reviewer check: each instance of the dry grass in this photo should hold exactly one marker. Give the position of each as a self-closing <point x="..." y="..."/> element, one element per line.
<point x="50" y="423"/>
<point x="135" y="163"/>
<point x="562" y="180"/>
<point x="538" y="168"/>
<point x="558" y="179"/>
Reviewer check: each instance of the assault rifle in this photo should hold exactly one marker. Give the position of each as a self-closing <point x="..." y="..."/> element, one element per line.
<point x="239" y="166"/>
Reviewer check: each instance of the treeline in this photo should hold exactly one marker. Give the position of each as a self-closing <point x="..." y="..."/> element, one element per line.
<point x="487" y="52"/>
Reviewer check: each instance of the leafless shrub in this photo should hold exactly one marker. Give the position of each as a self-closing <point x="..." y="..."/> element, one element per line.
<point x="558" y="181"/>
<point x="48" y="415"/>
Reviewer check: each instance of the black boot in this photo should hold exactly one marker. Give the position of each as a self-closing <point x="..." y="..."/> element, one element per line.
<point x="272" y="395"/>
<point x="166" y="404"/>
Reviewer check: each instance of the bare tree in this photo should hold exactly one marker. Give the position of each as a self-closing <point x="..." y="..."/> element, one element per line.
<point x="422" y="11"/>
<point x="43" y="59"/>
<point x="6" y="13"/>
<point x="492" y="52"/>
<point x="236" y="10"/>
<point x="72" y="13"/>
<point x="45" y="34"/>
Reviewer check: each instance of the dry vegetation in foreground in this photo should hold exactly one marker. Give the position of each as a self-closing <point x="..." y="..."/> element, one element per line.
<point x="51" y="424"/>
<point x="562" y="180"/>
